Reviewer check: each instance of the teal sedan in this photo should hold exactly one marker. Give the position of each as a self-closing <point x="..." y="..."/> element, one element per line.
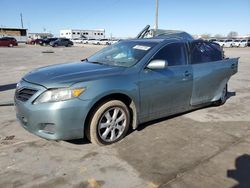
<point x="122" y="86"/>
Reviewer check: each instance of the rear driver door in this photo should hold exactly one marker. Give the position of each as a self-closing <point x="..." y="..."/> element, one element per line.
<point x="210" y="72"/>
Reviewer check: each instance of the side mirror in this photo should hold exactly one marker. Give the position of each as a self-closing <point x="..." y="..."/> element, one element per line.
<point x="157" y="64"/>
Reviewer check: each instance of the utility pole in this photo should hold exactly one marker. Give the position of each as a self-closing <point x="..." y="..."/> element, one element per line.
<point x="21" y="19"/>
<point x="156" y="15"/>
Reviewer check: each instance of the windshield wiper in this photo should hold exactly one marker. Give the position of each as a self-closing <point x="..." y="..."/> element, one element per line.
<point x="86" y="59"/>
<point x="96" y="62"/>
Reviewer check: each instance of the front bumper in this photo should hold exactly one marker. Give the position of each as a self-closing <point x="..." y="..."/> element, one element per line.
<point x="62" y="120"/>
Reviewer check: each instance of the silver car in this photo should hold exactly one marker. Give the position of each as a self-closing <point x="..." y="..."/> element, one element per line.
<point x="122" y="86"/>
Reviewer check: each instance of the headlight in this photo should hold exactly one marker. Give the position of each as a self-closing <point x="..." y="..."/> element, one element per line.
<point x="55" y="95"/>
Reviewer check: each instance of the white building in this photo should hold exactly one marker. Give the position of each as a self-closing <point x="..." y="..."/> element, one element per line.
<point x="85" y="33"/>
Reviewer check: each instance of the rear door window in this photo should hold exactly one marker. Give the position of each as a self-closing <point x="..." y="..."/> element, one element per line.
<point x="203" y="52"/>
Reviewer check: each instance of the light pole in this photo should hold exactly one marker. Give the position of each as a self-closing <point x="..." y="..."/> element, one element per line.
<point x="156" y="15"/>
<point x="21" y="15"/>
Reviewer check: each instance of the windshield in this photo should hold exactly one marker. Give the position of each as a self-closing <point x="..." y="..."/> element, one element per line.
<point x="125" y="53"/>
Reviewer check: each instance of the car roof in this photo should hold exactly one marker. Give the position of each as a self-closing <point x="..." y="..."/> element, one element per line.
<point x="160" y="39"/>
<point x="167" y="35"/>
<point x="161" y="33"/>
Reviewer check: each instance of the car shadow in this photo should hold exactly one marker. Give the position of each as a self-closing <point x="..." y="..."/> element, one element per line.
<point x="241" y="173"/>
<point x="81" y="141"/>
<point x="149" y="123"/>
<point x="231" y="94"/>
<point x="144" y="125"/>
<point x="7" y="87"/>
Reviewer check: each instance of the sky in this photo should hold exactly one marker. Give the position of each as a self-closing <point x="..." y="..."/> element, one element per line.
<point x="125" y="18"/>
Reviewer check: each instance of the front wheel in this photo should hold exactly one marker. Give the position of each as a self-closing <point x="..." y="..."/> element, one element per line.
<point x="109" y="123"/>
<point x="223" y="97"/>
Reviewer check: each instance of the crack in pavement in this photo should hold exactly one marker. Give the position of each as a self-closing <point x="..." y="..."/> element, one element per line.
<point x="17" y="143"/>
<point x="182" y="174"/>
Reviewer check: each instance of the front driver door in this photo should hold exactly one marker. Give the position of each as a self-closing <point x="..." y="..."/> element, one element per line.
<point x="166" y="91"/>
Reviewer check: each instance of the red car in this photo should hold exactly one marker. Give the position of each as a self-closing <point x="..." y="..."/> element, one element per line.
<point x="8" y="41"/>
<point x="34" y="41"/>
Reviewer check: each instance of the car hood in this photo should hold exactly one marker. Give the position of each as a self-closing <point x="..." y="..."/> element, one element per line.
<point x="64" y="75"/>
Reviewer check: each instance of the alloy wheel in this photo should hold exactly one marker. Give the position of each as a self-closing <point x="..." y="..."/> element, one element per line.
<point x="112" y="124"/>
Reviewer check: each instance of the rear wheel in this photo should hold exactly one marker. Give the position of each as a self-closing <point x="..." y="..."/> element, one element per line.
<point x="10" y="45"/>
<point x="223" y="97"/>
<point x="109" y="123"/>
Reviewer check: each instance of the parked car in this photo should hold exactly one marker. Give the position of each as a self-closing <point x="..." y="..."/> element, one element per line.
<point x="121" y="86"/>
<point x="8" y="41"/>
<point x="236" y="43"/>
<point x="47" y="41"/>
<point x="212" y="40"/>
<point x="61" y="42"/>
<point x="243" y="43"/>
<point x="90" y="41"/>
<point x="228" y="43"/>
<point x="35" y="41"/>
<point x="78" y="40"/>
<point x="248" y="42"/>
<point x="221" y="42"/>
<point x="113" y="41"/>
<point x="101" y="42"/>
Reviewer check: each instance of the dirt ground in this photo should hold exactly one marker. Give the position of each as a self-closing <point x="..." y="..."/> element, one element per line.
<point x="206" y="148"/>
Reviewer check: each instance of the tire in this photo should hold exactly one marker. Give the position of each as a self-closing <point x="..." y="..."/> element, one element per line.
<point x="10" y="45"/>
<point x="114" y="117"/>
<point x="223" y="97"/>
